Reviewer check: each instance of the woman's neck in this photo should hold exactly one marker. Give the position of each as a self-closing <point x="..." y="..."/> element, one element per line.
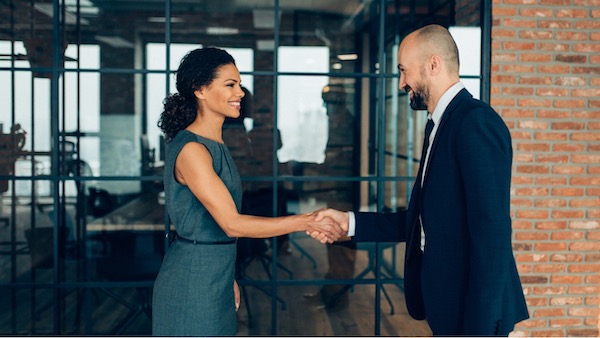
<point x="211" y="129"/>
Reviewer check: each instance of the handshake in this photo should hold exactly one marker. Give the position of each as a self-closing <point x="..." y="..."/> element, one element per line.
<point x="327" y="225"/>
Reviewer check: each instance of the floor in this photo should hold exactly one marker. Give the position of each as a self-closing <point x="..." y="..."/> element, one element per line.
<point x="25" y="311"/>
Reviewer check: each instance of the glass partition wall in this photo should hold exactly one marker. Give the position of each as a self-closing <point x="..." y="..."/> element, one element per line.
<point x="82" y="212"/>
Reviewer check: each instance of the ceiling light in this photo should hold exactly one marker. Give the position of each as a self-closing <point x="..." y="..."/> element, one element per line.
<point x="115" y="41"/>
<point x="348" y="57"/>
<point x="162" y="19"/>
<point x="222" y="30"/>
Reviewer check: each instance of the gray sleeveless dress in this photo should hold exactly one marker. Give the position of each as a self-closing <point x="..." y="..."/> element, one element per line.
<point x="193" y="293"/>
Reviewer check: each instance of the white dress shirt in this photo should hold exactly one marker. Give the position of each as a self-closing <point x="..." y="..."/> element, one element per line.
<point x="437" y="117"/>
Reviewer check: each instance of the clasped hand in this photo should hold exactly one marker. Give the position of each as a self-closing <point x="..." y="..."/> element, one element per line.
<point x="328" y="225"/>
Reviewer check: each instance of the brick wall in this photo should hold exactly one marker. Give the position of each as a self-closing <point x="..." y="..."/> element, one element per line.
<point x="546" y="85"/>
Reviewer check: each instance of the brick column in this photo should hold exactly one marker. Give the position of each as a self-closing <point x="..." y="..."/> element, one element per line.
<point x="546" y="86"/>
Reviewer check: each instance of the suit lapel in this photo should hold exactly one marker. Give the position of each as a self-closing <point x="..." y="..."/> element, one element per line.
<point x="454" y="104"/>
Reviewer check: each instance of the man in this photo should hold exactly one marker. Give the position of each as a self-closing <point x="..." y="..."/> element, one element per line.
<point x="460" y="273"/>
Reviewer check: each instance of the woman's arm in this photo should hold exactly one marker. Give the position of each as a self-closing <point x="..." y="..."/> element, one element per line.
<point x="194" y="169"/>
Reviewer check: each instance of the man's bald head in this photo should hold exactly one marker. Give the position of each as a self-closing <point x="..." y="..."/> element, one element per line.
<point x="436" y="39"/>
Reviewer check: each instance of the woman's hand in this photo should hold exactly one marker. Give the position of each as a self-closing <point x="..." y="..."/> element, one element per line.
<point x="236" y="295"/>
<point x="324" y="228"/>
<point x="339" y="218"/>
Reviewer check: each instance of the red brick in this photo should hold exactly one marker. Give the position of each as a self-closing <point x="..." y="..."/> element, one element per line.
<point x="566" y="301"/>
<point x="585" y="158"/>
<point x="568" y="125"/>
<point x="562" y="236"/>
<point x="555" y="225"/>
<point x="567" y="192"/>
<point x="560" y="24"/>
<point x="569" y="103"/>
<point x="536" y="301"/>
<point x="584" y="246"/>
<point x="579" y="268"/>
<point x="532" y="214"/>
<point x="554" y="47"/>
<point x="570" y="279"/>
<point x="572" y="13"/>
<point x="582" y="332"/>
<point x="561" y="214"/>
<point x="551" y="180"/>
<point x="566" y="258"/>
<point x="585" y="311"/>
<point x="568" y="147"/>
<point x="586" y="92"/>
<point x="543" y="136"/>
<point x="536" y="147"/>
<point x="568" y="170"/>
<point x="550" y="246"/>
<point x="519" y="91"/>
<point x="566" y="322"/>
<point x="550" y="312"/>
<point x="533" y="323"/>
<point x="585" y="137"/>
<point x="549" y="268"/>
<point x="592" y="290"/>
<point x="589" y="203"/>
<point x="571" y="36"/>
<point x="538" y="191"/>
<point x="586" y="48"/>
<point x="532" y="169"/>
<point x="536" y="12"/>
<point x="534" y="279"/>
<point x="571" y="81"/>
<point x="522" y="202"/>
<point x="549" y="290"/>
<point x="550" y="203"/>
<point x="535" y="80"/>
<point x="547" y="333"/>
<point x="521" y="225"/>
<point x="531" y="236"/>
<point x="518" y="23"/>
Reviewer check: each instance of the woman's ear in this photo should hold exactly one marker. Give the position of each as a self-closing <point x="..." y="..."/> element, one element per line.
<point x="199" y="93"/>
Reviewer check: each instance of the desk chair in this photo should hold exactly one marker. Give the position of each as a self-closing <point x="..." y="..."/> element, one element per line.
<point x="132" y="256"/>
<point x="370" y="248"/>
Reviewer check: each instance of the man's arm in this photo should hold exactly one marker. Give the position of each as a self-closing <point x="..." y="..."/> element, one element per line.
<point x="370" y="226"/>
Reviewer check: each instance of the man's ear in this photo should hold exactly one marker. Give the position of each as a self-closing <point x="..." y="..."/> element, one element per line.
<point x="435" y="64"/>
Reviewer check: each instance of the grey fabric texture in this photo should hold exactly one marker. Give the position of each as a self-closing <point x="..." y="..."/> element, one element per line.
<point x="193" y="293"/>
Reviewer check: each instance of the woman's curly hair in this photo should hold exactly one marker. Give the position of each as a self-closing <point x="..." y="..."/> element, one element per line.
<point x="197" y="68"/>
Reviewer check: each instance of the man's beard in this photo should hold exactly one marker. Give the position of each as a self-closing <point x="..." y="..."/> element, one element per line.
<point x="418" y="101"/>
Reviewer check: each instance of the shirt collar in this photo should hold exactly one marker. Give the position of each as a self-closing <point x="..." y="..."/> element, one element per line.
<point x="445" y="101"/>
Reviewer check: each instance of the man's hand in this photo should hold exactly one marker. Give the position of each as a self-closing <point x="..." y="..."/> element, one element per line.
<point x="322" y="228"/>
<point x="341" y="218"/>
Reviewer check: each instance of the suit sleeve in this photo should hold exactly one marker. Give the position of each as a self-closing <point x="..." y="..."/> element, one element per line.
<point x="485" y="159"/>
<point x="380" y="227"/>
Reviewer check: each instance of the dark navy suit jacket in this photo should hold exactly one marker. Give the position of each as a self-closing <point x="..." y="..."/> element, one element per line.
<point x="466" y="281"/>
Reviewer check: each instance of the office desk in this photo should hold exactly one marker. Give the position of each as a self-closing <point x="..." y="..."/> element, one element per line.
<point x="144" y="213"/>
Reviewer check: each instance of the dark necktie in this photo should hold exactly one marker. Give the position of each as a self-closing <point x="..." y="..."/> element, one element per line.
<point x="428" y="129"/>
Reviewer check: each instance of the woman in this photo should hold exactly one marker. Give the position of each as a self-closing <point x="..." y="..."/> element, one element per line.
<point x="195" y="293"/>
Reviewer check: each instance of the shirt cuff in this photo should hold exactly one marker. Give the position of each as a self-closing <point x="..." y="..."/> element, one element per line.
<point x="351" y="224"/>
